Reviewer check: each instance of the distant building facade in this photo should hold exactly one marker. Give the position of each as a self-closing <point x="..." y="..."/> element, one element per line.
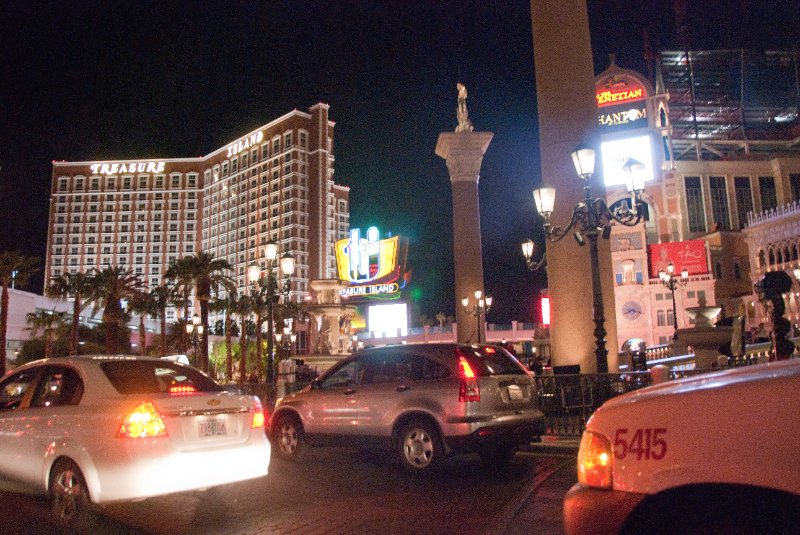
<point x="719" y="133"/>
<point x="274" y="183"/>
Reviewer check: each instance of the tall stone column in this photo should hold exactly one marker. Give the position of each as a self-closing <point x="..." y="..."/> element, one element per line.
<point x="566" y="104"/>
<point x="463" y="152"/>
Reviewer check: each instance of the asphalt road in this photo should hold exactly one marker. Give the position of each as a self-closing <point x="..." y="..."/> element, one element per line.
<point x="340" y="491"/>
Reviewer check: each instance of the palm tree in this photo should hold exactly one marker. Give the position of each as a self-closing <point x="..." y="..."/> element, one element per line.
<point x="77" y="286"/>
<point x="228" y="305"/>
<point x="144" y="304"/>
<point x="163" y="296"/>
<point x="15" y="269"/>
<point x="48" y="323"/>
<point x="205" y="274"/>
<point x="111" y="286"/>
<point x="244" y="306"/>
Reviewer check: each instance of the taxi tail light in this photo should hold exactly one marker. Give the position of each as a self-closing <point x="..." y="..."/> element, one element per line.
<point x="468" y="389"/>
<point x="260" y="415"/>
<point x="594" y="460"/>
<point x="144" y="421"/>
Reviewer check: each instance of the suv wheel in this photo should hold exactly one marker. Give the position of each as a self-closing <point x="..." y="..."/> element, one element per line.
<point x="287" y="438"/>
<point x="419" y="446"/>
<point x="70" y="505"/>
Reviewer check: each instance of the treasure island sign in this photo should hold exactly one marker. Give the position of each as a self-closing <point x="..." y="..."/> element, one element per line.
<point x="374" y="267"/>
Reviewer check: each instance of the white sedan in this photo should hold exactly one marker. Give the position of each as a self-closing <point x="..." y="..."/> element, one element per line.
<point x="96" y="429"/>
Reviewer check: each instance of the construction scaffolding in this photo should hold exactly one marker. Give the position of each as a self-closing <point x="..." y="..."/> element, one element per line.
<point x="731" y="104"/>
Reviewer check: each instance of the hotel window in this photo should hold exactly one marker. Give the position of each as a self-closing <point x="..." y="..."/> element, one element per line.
<point x="254" y="155"/>
<point x="719" y="202"/>
<point x="159" y="181"/>
<point x="175" y="181"/>
<point x="142" y="182"/>
<point x="276" y="146"/>
<point x="110" y="183"/>
<point x="303" y="139"/>
<point x="62" y="184"/>
<point x="95" y="183"/>
<point x="79" y="184"/>
<point x="744" y="198"/>
<point x="224" y="168"/>
<point x="794" y="182"/>
<point x="287" y="140"/>
<point x="234" y="165"/>
<point x="244" y="160"/>
<point x="769" y="197"/>
<point x="192" y="181"/>
<point x="126" y="182"/>
<point x="694" y="204"/>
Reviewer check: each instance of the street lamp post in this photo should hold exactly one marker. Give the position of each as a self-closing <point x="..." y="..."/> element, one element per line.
<point x="591" y="218"/>
<point x="271" y="289"/>
<point x="195" y="330"/>
<point x="672" y="281"/>
<point x="479" y="309"/>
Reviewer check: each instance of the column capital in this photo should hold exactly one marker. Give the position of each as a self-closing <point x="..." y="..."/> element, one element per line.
<point x="463" y="152"/>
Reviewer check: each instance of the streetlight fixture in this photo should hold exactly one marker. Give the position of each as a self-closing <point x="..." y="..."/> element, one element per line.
<point x="271" y="289"/>
<point x="591" y="218"/>
<point x="479" y="309"/>
<point x="671" y="281"/>
<point x="195" y="330"/>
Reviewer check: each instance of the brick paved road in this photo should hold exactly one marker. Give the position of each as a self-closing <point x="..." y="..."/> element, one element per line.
<point x="336" y="491"/>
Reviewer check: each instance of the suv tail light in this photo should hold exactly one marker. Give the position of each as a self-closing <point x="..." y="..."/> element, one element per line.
<point x="142" y="422"/>
<point x="468" y="390"/>
<point x="259" y="415"/>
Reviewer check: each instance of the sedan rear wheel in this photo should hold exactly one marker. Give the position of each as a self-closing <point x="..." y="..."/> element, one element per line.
<point x="420" y="447"/>
<point x="288" y="439"/>
<point x="70" y="505"/>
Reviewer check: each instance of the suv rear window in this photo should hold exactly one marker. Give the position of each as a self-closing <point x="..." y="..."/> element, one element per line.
<point x="489" y="360"/>
<point x="155" y="377"/>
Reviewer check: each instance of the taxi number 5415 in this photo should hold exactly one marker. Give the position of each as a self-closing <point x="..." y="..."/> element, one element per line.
<point x="647" y="444"/>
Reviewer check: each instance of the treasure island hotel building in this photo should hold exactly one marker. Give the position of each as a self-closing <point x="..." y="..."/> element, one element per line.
<point x="274" y="183"/>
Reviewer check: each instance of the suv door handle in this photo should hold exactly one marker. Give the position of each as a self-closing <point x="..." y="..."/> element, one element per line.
<point x="349" y="391"/>
<point x="402" y="388"/>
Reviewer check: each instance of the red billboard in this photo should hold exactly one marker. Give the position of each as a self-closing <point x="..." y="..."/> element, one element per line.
<point x="689" y="255"/>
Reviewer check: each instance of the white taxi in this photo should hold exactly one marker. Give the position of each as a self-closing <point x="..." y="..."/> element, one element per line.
<point x="92" y="430"/>
<point x="716" y="453"/>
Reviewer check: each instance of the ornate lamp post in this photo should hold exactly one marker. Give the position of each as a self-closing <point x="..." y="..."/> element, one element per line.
<point x="195" y="330"/>
<point x="671" y="282"/>
<point x="479" y="309"/>
<point x="591" y="218"/>
<point x="269" y="287"/>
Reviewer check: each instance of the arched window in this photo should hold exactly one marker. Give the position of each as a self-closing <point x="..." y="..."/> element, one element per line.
<point x="786" y="254"/>
<point x="661" y="318"/>
<point x="780" y="256"/>
<point x="718" y="271"/>
<point x="794" y="251"/>
<point x="761" y="259"/>
<point x="771" y="257"/>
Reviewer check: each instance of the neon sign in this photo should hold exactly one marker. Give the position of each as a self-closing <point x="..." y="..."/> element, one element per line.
<point x="621" y="117"/>
<point x="608" y="97"/>
<point x="133" y="167"/>
<point x="245" y="143"/>
<point x="369" y="264"/>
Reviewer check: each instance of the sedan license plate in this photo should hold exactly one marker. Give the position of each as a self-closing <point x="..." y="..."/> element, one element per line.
<point x="212" y="428"/>
<point x="514" y="393"/>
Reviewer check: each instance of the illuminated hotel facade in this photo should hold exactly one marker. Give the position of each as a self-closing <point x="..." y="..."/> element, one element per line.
<point x="274" y="183"/>
<point x="722" y="157"/>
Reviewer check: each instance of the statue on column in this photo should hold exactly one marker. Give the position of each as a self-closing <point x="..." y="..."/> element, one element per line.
<point x="770" y="289"/>
<point x="464" y="124"/>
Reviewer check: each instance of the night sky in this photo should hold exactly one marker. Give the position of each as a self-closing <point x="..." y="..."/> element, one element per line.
<point x="118" y="80"/>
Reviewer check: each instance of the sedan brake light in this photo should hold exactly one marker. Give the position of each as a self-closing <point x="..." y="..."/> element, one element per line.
<point x="142" y="422"/>
<point x="259" y="415"/>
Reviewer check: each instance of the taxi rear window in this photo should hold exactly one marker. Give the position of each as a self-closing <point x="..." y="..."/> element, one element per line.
<point x="490" y="360"/>
<point x="156" y="377"/>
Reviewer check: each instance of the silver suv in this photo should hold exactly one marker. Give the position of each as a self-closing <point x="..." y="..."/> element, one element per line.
<point x="422" y="400"/>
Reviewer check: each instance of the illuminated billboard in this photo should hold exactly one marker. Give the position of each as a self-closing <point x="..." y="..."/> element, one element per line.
<point x="388" y="320"/>
<point x="615" y="153"/>
<point x="373" y="266"/>
<point x="621" y="103"/>
<point x="689" y="255"/>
